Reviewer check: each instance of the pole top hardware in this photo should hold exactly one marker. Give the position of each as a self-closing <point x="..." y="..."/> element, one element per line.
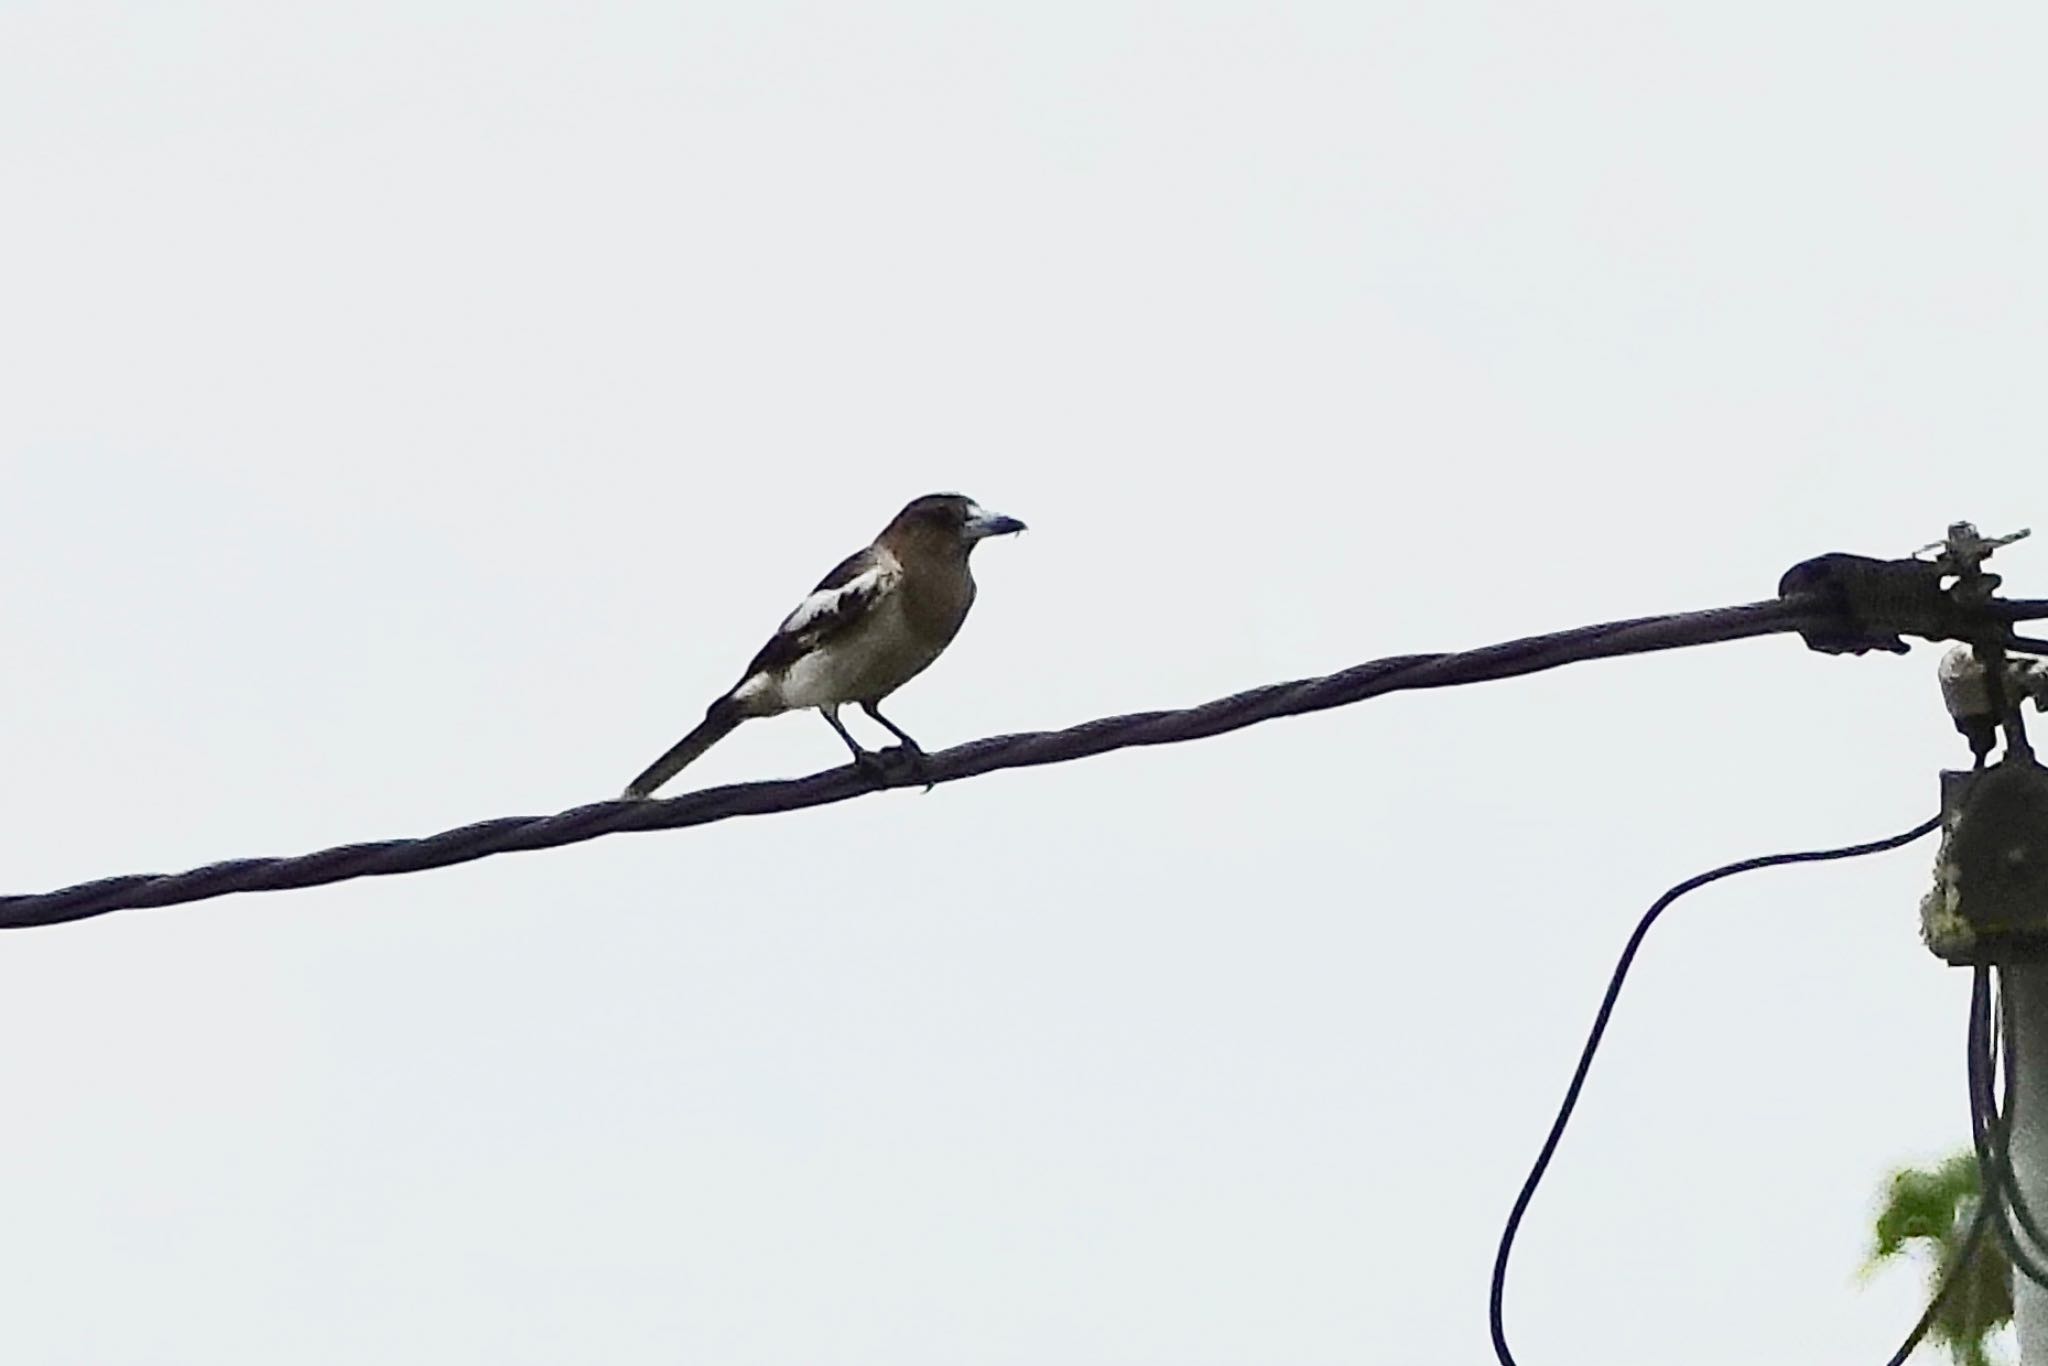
<point x="1863" y="603"/>
<point x="1989" y="902"/>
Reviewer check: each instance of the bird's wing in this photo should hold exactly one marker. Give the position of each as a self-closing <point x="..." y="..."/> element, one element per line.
<point x="842" y="598"/>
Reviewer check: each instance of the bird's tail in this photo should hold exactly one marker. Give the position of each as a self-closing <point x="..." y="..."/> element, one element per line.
<point x="716" y="725"/>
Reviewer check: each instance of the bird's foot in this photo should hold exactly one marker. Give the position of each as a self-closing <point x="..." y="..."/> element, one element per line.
<point x="898" y="766"/>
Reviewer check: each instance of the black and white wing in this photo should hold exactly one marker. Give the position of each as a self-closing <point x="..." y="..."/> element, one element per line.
<point x="842" y="599"/>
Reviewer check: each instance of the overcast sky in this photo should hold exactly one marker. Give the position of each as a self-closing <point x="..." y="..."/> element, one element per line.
<point x="416" y="412"/>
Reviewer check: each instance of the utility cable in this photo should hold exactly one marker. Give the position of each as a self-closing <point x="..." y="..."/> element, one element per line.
<point x="1796" y="612"/>
<point x="1498" y="1293"/>
<point x="1991" y="1130"/>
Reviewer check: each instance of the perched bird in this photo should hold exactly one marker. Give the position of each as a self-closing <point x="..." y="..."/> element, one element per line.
<point x="871" y="626"/>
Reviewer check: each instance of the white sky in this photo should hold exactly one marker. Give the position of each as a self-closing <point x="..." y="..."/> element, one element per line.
<point x="416" y="412"/>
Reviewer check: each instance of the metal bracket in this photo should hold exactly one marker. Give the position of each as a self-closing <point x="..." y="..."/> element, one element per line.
<point x="1874" y="603"/>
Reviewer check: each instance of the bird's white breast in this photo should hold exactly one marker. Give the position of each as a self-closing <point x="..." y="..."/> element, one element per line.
<point x="861" y="662"/>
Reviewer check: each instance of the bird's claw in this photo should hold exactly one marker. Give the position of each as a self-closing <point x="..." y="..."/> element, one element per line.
<point x="897" y="766"/>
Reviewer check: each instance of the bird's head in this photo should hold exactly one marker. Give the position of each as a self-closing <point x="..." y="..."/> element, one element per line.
<point x="947" y="521"/>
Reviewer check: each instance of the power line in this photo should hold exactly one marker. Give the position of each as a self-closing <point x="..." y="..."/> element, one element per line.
<point x="1837" y="603"/>
<point x="1988" y="1129"/>
<point x="1497" y="1295"/>
<point x="1814" y="613"/>
<point x="1991" y="1126"/>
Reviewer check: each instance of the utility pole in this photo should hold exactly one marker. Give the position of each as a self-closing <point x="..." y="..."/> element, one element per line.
<point x="1989" y="911"/>
<point x="2026" y="989"/>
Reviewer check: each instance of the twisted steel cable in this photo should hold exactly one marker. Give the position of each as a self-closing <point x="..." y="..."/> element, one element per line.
<point x="507" y="834"/>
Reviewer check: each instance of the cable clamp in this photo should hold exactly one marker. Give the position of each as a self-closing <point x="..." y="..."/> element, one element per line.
<point x="1871" y="604"/>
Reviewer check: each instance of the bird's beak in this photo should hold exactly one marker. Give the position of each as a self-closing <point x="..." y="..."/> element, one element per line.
<point x="982" y="523"/>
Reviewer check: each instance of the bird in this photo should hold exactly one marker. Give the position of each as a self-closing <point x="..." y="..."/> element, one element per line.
<point x="875" y="622"/>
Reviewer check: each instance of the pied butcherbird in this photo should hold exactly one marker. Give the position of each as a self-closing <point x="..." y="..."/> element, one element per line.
<point x="871" y="625"/>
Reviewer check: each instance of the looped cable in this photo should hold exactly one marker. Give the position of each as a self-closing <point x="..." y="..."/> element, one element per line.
<point x="1497" y="1295"/>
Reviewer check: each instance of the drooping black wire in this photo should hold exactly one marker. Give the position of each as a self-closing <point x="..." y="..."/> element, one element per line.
<point x="1991" y="1132"/>
<point x="512" y="833"/>
<point x="1993" y="1042"/>
<point x="2014" y="1196"/>
<point x="1986" y="1213"/>
<point x="1498" y="1292"/>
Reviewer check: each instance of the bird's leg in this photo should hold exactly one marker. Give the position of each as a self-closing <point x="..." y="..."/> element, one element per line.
<point x="862" y="759"/>
<point x="910" y="746"/>
<point x="912" y="752"/>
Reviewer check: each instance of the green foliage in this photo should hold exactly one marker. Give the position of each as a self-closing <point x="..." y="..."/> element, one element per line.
<point x="1934" y="1208"/>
